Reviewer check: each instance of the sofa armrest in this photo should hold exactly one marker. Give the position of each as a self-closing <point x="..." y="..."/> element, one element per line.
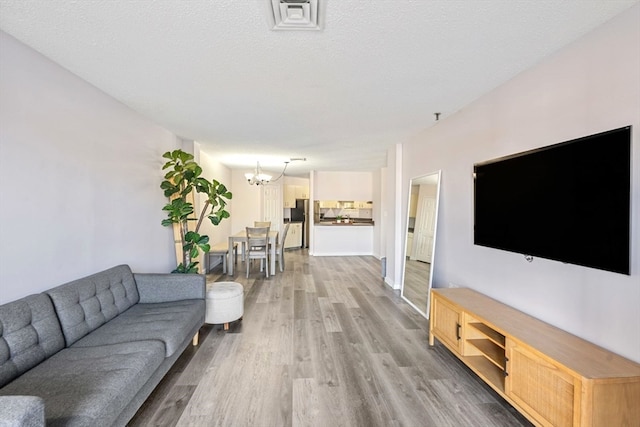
<point x="22" y="411"/>
<point x="154" y="288"/>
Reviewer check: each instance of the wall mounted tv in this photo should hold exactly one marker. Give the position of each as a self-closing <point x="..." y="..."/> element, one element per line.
<point x="568" y="202"/>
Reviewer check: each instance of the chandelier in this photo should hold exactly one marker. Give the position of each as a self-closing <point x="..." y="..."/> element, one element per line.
<point x="257" y="178"/>
<point x="260" y="178"/>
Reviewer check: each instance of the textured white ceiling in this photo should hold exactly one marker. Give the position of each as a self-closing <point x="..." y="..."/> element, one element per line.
<point x="212" y="71"/>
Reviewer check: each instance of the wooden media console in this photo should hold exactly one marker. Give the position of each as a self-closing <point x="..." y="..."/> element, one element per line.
<point x="551" y="376"/>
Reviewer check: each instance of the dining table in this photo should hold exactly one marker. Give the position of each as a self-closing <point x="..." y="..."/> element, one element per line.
<point x="241" y="237"/>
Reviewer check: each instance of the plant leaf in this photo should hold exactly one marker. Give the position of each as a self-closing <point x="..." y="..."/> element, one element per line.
<point x="194" y="252"/>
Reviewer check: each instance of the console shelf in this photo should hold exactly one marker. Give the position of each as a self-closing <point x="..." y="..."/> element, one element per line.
<point x="519" y="357"/>
<point x="492" y="352"/>
<point x="492" y="335"/>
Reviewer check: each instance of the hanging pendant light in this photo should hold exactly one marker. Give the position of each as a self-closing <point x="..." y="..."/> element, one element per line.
<point x="258" y="177"/>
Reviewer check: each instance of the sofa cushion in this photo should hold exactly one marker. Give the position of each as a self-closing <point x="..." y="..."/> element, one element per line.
<point x="29" y="333"/>
<point x="163" y="287"/>
<point x="86" y="304"/>
<point x="22" y="411"/>
<point x="166" y="322"/>
<point x="89" y="386"/>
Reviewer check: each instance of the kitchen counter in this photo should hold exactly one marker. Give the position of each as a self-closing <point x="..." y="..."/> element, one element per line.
<point x="343" y="224"/>
<point x="342" y="239"/>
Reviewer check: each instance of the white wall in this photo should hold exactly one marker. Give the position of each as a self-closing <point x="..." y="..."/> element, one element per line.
<point x="591" y="86"/>
<point x="247" y="202"/>
<point x="343" y="186"/>
<point x="393" y="228"/>
<point x="378" y="229"/>
<point x="80" y="176"/>
<point x="379" y="214"/>
<point x="212" y="169"/>
<point x="293" y="180"/>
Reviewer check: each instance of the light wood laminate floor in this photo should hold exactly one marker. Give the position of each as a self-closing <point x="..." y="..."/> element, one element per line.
<point x="326" y="343"/>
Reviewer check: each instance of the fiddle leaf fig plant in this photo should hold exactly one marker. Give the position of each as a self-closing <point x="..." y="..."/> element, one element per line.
<point x="183" y="180"/>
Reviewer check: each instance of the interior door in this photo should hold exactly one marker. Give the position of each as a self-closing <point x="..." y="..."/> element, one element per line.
<point x="424" y="229"/>
<point x="272" y="205"/>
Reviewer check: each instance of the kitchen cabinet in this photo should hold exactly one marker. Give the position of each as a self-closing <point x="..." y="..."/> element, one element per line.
<point x="328" y="204"/>
<point x="293" y="192"/>
<point x="342" y="240"/>
<point x="294" y="236"/>
<point x="302" y="192"/>
<point x="364" y="205"/>
<point x="551" y="376"/>
<point x="289" y="199"/>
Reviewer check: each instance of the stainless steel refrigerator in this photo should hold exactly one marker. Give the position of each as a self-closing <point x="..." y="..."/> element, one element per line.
<point x="301" y="213"/>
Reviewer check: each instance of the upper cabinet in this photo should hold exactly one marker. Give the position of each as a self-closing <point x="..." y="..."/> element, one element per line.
<point x="293" y="192"/>
<point x="289" y="199"/>
<point x="330" y="204"/>
<point x="343" y="186"/>
<point x="302" y="191"/>
<point x="294" y="188"/>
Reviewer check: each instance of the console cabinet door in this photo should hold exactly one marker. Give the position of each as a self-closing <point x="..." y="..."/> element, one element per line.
<point x="446" y="324"/>
<point x="544" y="390"/>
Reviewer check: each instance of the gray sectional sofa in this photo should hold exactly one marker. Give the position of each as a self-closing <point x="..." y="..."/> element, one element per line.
<point x="89" y="352"/>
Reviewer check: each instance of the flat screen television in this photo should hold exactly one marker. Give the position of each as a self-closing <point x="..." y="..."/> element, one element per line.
<point x="568" y="202"/>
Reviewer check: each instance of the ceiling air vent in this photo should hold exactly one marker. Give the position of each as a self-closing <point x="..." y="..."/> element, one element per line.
<point x="295" y="15"/>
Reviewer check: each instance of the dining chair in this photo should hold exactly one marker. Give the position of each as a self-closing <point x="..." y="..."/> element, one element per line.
<point x="258" y="247"/>
<point x="262" y="224"/>
<point x="280" y="247"/>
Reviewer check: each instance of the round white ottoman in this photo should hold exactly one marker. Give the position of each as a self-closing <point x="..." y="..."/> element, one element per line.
<point x="224" y="302"/>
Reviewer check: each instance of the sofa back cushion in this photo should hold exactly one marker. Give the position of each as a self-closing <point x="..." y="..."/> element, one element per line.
<point x="29" y="333"/>
<point x="85" y="304"/>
